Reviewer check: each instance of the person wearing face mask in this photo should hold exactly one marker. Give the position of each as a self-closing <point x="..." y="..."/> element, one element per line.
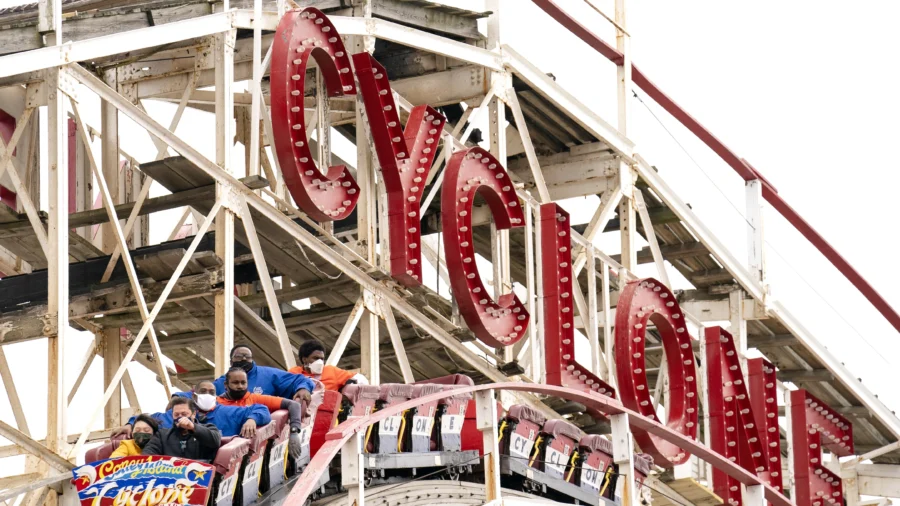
<point x="144" y="429"/>
<point x="267" y="380"/>
<point x="311" y="355"/>
<point x="188" y="438"/>
<point x="230" y="420"/>
<point x="236" y="394"/>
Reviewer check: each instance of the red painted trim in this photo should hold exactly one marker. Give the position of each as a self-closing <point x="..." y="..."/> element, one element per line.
<point x="744" y="169"/>
<point x="336" y="438"/>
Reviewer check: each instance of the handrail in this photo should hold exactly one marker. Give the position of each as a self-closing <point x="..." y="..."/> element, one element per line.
<point x="740" y="165"/>
<point x="335" y="438"/>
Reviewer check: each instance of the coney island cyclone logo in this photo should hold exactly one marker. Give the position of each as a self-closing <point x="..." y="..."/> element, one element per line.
<point x="143" y="481"/>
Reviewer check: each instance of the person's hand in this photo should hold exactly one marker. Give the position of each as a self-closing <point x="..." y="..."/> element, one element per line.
<point x="295" y="445"/>
<point x="185" y="423"/>
<point x="249" y="429"/>
<point x="124" y="430"/>
<point x="302" y="395"/>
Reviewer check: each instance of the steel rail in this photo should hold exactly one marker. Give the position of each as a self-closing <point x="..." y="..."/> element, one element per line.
<point x="336" y="438"/>
<point x="741" y="166"/>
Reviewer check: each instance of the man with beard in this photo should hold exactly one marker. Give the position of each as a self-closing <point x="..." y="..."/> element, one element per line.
<point x="236" y="394"/>
<point x="267" y="380"/>
<point x="230" y="420"/>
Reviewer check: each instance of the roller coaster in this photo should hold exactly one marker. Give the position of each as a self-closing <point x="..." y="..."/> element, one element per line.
<point x="392" y="178"/>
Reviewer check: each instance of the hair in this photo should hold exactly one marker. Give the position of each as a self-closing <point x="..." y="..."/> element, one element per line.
<point x="309" y="347"/>
<point x="154" y="425"/>
<point x="197" y="385"/>
<point x="237" y="346"/>
<point x="233" y="370"/>
<point x="178" y="401"/>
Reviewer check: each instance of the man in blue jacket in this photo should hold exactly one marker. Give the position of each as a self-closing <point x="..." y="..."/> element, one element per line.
<point x="230" y="420"/>
<point x="267" y="380"/>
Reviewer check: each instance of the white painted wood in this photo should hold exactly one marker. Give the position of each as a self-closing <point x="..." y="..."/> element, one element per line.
<point x="598" y="222"/>
<point x="57" y="261"/>
<point x="13" y="394"/>
<point x="397" y="342"/>
<point x="623" y="456"/>
<point x="651" y="238"/>
<point x="486" y="422"/>
<point x="346" y="333"/>
<point x="133" y="279"/>
<point x="756" y="251"/>
<point x="76" y="449"/>
<point x="513" y="101"/>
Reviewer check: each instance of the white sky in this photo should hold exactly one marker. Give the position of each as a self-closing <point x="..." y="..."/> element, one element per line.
<point x="805" y="92"/>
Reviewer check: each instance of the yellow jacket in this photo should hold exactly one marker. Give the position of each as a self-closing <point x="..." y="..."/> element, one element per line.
<point x="127" y="448"/>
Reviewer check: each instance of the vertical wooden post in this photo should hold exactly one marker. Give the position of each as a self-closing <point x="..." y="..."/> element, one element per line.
<point x="110" y="338"/>
<point x="738" y="325"/>
<point x="623" y="456"/>
<point x="486" y="421"/>
<point x="352" y="467"/>
<point x="367" y="218"/>
<point x="753" y="495"/>
<point x="57" y="262"/>
<point x="607" y="327"/>
<point x="224" y="302"/>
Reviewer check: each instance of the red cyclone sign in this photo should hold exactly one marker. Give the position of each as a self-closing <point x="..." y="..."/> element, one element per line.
<point x="743" y="417"/>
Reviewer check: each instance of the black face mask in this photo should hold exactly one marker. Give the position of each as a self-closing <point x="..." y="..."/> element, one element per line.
<point x="246" y="365"/>
<point x="142" y="438"/>
<point x="236" y="395"/>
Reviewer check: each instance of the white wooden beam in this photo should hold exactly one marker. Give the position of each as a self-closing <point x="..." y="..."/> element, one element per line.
<point x="57" y="261"/>
<point x="397" y="342"/>
<point x="135" y="282"/>
<point x="651" y="238"/>
<point x="486" y="422"/>
<point x="146" y="327"/>
<point x="265" y="279"/>
<point x="346" y="333"/>
<point x="13" y="394"/>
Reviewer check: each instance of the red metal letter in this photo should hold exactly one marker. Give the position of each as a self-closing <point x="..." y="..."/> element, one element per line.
<point x="643" y="301"/>
<point x="733" y="429"/>
<point x="810" y="419"/>
<point x="559" y="326"/>
<point x="496" y="323"/>
<point x="324" y="197"/>
<point x="405" y="157"/>
<point x="763" y="398"/>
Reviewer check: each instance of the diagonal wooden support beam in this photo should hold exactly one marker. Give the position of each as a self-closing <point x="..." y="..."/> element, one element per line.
<point x="117" y="377"/>
<point x="13" y="394"/>
<point x="598" y="222"/>
<point x="33" y="447"/>
<point x="21" y="192"/>
<point x="513" y="102"/>
<point x="162" y="149"/>
<point x="346" y="333"/>
<point x="265" y="280"/>
<point x="397" y="341"/>
<point x="650" y="235"/>
<point x="123" y="245"/>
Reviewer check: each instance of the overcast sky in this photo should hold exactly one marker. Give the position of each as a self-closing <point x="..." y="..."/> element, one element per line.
<point x="805" y="92"/>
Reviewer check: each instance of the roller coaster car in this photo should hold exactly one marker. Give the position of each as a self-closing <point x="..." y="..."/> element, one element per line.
<point x="450" y="415"/>
<point x="559" y="451"/>
<point x="410" y="440"/>
<point x="596" y="472"/>
<point x="251" y="472"/>
<point x="519" y="431"/>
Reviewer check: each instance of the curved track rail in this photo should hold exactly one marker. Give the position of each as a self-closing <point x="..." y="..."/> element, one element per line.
<point x="740" y="165"/>
<point x="336" y="438"/>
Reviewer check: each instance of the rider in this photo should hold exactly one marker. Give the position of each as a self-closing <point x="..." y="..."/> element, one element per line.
<point x="267" y="380"/>
<point x="236" y="394"/>
<point x="230" y="420"/>
<point x="311" y="355"/>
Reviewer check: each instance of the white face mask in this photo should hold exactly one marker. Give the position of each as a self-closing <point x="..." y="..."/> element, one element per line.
<point x="206" y="401"/>
<point x="317" y="366"/>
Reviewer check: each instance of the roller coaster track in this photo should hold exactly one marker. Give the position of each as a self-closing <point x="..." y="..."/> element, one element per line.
<point x="336" y="438"/>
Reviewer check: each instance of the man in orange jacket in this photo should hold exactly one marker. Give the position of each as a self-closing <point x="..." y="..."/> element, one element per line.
<point x="312" y="364"/>
<point x="236" y="394"/>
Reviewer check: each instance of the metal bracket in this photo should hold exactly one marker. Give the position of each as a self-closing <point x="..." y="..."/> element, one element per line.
<point x="231" y="199"/>
<point x="372" y="303"/>
<point x="35" y="94"/>
<point x="50" y="329"/>
<point x="68" y="85"/>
